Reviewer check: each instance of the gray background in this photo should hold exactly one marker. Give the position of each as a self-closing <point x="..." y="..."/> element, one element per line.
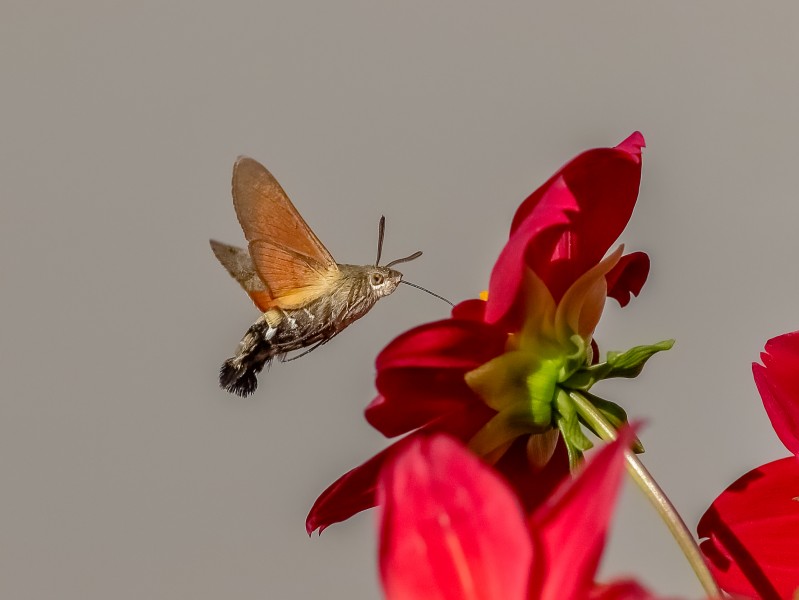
<point x="127" y="474"/>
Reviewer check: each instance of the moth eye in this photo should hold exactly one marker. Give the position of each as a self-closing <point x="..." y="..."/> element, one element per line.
<point x="377" y="279"/>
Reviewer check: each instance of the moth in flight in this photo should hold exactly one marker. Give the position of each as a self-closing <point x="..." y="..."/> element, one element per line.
<point x="305" y="296"/>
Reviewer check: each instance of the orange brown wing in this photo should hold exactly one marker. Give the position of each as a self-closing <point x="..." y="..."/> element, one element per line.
<point x="293" y="279"/>
<point x="266" y="213"/>
<point x="238" y="263"/>
<point x="287" y="255"/>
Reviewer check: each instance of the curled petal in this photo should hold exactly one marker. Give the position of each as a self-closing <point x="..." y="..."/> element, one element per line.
<point x="779" y="387"/>
<point x="505" y="303"/>
<point x="584" y="165"/>
<point x="450" y="528"/>
<point x="752" y="532"/>
<point x="354" y="491"/>
<point x="567" y="225"/>
<point x="569" y="530"/>
<point x="628" y="277"/>
<point x="351" y="493"/>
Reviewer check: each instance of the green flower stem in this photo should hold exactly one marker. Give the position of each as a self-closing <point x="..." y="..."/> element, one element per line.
<point x="654" y="493"/>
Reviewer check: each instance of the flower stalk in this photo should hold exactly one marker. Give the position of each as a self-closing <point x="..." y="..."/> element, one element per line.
<point x="654" y="493"/>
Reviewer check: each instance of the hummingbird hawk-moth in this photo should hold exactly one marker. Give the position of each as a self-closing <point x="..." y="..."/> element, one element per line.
<point x="305" y="296"/>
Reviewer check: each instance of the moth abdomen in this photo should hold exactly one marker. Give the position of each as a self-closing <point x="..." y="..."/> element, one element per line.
<point x="238" y="374"/>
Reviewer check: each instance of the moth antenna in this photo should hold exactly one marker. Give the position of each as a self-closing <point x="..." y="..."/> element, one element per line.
<point x="426" y="290"/>
<point x="381" y="232"/>
<point x="413" y="256"/>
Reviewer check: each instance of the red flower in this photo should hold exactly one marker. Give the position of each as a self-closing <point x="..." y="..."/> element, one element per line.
<point x="489" y="375"/>
<point x="451" y="529"/>
<point x="752" y="528"/>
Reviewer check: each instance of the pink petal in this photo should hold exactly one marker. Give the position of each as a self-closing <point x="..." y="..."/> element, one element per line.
<point x="628" y="277"/>
<point x="778" y="385"/>
<point x="752" y="531"/>
<point x="355" y="491"/>
<point x="567" y="225"/>
<point x="450" y="527"/>
<point x="569" y="531"/>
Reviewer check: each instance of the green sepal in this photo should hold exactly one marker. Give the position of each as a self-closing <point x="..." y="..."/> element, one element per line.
<point x="615" y="415"/>
<point x="568" y="422"/>
<point x="575" y="360"/>
<point x="541" y="387"/>
<point x="627" y="364"/>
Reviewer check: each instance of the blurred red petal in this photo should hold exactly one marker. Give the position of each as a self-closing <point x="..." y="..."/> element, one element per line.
<point x="628" y="277"/>
<point x="450" y="528"/>
<point x="621" y="590"/>
<point x="354" y="491"/>
<point x="752" y="531"/>
<point x="779" y="387"/>
<point x="445" y="344"/>
<point x="533" y="486"/>
<point x="569" y="530"/>
<point x="567" y="225"/>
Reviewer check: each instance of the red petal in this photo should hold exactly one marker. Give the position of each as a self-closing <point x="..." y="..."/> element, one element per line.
<point x="446" y="344"/>
<point x="533" y="487"/>
<point x="505" y="284"/>
<point x="569" y="530"/>
<point x="355" y="491"/>
<point x="784" y="347"/>
<point x="753" y="532"/>
<point x="351" y="493"/>
<point x="470" y="310"/>
<point x="628" y="277"/>
<point x="413" y="398"/>
<point x="567" y="225"/>
<point x="450" y="528"/>
<point x="420" y="373"/>
<point x="779" y="387"/>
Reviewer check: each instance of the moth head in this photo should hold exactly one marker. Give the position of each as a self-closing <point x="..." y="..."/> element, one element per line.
<point x="383" y="280"/>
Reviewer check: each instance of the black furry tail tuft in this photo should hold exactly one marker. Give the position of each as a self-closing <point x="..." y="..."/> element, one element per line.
<point x="237" y="378"/>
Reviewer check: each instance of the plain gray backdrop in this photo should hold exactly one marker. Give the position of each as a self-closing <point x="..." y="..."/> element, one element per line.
<point x="127" y="473"/>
